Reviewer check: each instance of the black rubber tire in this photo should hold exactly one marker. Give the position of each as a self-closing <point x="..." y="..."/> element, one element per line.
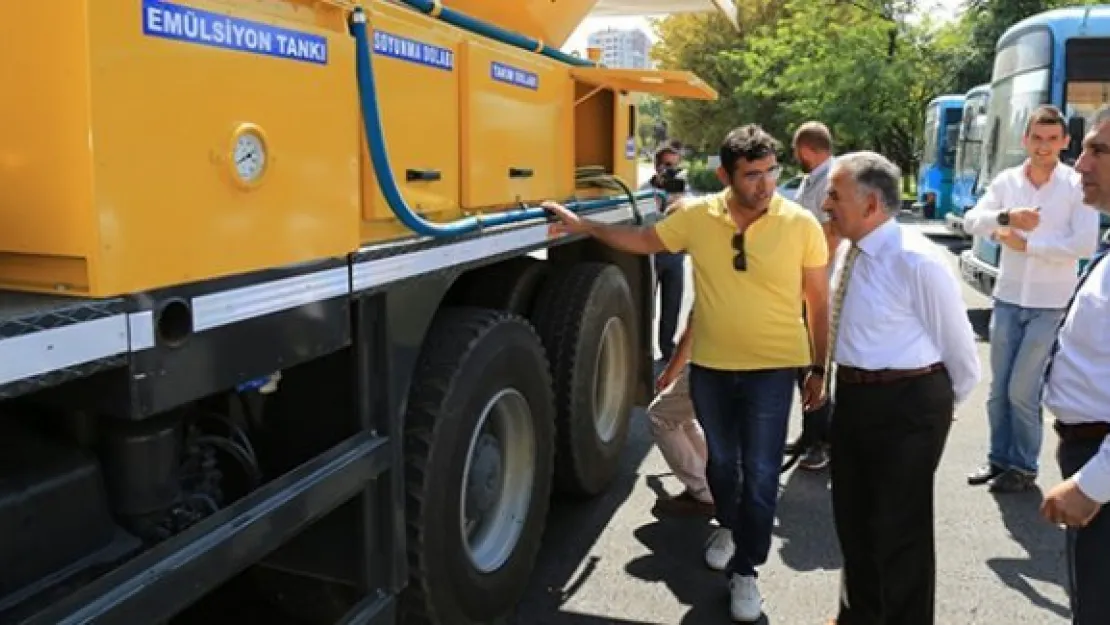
<point x="570" y="315"/>
<point x="468" y="356"/>
<point x="509" y="285"/>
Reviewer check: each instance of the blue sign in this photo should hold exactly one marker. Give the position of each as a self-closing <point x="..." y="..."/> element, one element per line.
<point x="172" y="21"/>
<point x="513" y="76"/>
<point x="413" y="51"/>
<point x="630" y="147"/>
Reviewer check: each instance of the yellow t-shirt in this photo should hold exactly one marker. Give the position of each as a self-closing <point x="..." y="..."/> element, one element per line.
<point x="747" y="320"/>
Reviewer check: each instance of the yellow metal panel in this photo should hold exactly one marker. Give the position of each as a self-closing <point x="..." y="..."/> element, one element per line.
<point x="625" y="164"/>
<point x="135" y="173"/>
<point x="516" y="143"/>
<point x="550" y="21"/>
<point x="672" y="83"/>
<point x="46" y="181"/>
<point x="416" y="72"/>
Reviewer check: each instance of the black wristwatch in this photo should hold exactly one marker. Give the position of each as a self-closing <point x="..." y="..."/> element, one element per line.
<point x="817" y="370"/>
<point x="1004" y="218"/>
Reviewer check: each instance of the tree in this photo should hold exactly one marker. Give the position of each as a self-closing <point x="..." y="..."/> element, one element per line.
<point x="703" y="43"/>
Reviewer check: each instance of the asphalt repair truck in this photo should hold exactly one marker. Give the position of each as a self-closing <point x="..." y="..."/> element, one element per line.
<point x="279" y="309"/>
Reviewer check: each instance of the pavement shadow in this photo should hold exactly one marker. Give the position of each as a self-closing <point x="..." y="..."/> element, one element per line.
<point x="805" y="523"/>
<point x="676" y="548"/>
<point x="955" y="245"/>
<point x="573" y="528"/>
<point x="1041" y="540"/>
<point x="980" y="319"/>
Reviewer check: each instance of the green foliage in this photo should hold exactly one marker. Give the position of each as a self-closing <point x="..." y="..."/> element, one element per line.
<point x="860" y="66"/>
<point x="701" y="178"/>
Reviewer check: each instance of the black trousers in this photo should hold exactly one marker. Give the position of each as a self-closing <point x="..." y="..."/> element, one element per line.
<point x="887" y="439"/>
<point x="1087" y="548"/>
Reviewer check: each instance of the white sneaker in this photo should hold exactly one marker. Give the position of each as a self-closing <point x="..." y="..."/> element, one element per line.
<point x="720" y="548"/>
<point x="746" y="603"/>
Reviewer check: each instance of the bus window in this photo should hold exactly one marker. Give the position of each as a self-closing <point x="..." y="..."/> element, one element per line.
<point x="1019" y="84"/>
<point x="929" y="151"/>
<point x="1084" y="98"/>
<point x="951" y="138"/>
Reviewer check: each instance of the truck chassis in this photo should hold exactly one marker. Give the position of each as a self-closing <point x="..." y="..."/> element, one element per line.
<point x="350" y="397"/>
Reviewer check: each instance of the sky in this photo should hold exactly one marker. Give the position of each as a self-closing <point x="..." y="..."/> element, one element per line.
<point x="944" y="9"/>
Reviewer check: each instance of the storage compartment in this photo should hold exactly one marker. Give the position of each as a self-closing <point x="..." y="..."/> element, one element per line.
<point x="416" y="76"/>
<point x="157" y="143"/>
<point x="605" y="112"/>
<point x="516" y="128"/>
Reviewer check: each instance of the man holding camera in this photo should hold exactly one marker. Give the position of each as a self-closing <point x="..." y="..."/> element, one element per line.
<point x="670" y="269"/>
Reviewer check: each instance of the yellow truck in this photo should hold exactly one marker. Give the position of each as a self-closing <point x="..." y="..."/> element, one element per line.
<point x="279" y="306"/>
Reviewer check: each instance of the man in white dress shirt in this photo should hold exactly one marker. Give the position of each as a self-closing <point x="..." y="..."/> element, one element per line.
<point x="905" y="354"/>
<point x="1036" y="211"/>
<point x="1077" y="392"/>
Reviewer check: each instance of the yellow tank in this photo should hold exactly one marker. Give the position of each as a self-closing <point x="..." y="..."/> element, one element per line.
<point x="150" y="144"/>
<point x="154" y="143"/>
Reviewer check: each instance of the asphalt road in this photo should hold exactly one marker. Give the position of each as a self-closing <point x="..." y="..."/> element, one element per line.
<point x="611" y="561"/>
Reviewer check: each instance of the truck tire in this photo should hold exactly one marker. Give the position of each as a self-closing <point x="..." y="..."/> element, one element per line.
<point x="478" y="443"/>
<point x="587" y="320"/>
<point x="508" y="285"/>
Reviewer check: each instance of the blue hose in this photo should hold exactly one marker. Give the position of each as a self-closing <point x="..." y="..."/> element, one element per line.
<point x="371" y="116"/>
<point x="496" y="33"/>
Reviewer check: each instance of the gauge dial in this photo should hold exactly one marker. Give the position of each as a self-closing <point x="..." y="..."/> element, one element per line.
<point x="249" y="157"/>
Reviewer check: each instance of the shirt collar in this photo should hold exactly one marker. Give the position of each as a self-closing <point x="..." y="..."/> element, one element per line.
<point x="821" y="169"/>
<point x="1059" y="172"/>
<point x="718" y="206"/>
<point x="879" y="238"/>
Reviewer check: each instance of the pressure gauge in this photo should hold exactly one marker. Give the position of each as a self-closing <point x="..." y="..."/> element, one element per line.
<point x="249" y="155"/>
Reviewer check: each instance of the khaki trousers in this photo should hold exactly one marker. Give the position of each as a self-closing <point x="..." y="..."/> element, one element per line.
<point x="679" y="437"/>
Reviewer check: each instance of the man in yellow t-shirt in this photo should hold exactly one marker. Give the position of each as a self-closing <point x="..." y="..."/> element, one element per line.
<point x="757" y="257"/>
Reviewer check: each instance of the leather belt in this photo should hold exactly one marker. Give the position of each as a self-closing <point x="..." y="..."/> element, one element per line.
<point x="1081" y="431"/>
<point x="853" y="375"/>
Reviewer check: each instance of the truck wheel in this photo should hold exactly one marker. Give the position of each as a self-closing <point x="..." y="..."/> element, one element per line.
<point x="509" y="285"/>
<point x="479" y="458"/>
<point x="587" y="320"/>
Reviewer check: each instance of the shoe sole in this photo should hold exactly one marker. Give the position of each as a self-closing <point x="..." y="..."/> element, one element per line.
<point x="746" y="621"/>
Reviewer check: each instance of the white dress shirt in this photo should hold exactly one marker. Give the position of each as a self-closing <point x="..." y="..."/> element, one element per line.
<point x="903" y="309"/>
<point x="1078" y="390"/>
<point x="1043" y="276"/>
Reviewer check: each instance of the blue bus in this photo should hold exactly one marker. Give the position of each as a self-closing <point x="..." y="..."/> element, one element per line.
<point x="1057" y="57"/>
<point x="968" y="155"/>
<point x="938" y="156"/>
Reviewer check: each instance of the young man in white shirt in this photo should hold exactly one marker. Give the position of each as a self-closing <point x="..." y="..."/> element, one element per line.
<point x="1077" y="393"/>
<point x="1036" y="211"/>
<point x="905" y="355"/>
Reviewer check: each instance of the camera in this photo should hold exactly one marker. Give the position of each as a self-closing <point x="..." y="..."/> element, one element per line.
<point x="670" y="180"/>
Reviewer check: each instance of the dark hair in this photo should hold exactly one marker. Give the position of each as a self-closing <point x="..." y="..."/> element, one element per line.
<point x="750" y="142"/>
<point x="663" y="151"/>
<point x="1046" y="114"/>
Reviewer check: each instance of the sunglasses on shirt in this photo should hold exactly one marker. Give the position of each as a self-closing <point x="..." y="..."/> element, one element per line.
<point x="740" y="261"/>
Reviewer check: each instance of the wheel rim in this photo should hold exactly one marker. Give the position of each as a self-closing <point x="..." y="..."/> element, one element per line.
<point x="610" y="383"/>
<point x="497" y="480"/>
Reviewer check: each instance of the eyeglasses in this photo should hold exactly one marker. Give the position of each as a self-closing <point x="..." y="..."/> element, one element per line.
<point x="771" y="174"/>
<point x="740" y="261"/>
